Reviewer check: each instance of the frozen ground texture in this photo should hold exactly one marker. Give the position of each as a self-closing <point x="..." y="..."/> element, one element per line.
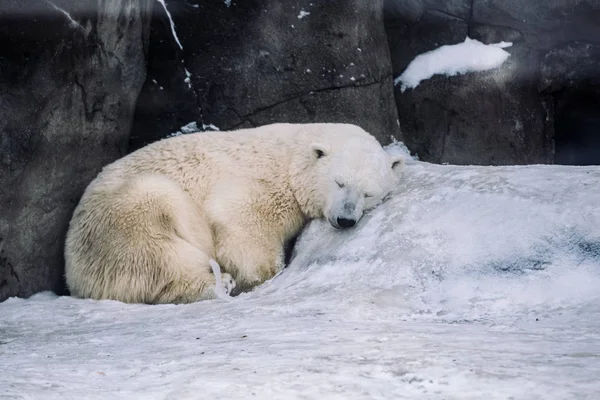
<point x="462" y="58"/>
<point x="468" y="283"/>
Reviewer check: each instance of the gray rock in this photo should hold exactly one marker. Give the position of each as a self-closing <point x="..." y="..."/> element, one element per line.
<point x="70" y="73"/>
<point x="575" y="64"/>
<point x="254" y="63"/>
<point x="167" y="101"/>
<point x="507" y="116"/>
<point x="570" y="78"/>
<point x="543" y="24"/>
<point x="486" y="118"/>
<point x="413" y="10"/>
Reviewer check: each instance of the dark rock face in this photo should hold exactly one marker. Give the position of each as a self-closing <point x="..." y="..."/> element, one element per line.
<point x="542" y="24"/>
<point x="571" y="80"/>
<point x="511" y="115"/>
<point x="70" y="73"/>
<point x="484" y="118"/>
<point x="254" y="63"/>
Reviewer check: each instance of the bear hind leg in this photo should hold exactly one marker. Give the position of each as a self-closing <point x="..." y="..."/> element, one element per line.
<point x="193" y="280"/>
<point x="168" y="245"/>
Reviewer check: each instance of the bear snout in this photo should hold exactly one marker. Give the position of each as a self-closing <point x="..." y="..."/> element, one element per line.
<point x="349" y="208"/>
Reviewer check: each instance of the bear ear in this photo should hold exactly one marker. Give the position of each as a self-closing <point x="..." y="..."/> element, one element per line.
<point x="397" y="162"/>
<point x="318" y="150"/>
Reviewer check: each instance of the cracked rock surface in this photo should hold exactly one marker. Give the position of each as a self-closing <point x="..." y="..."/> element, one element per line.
<point x="509" y="115"/>
<point x="70" y="73"/>
<point x="258" y="62"/>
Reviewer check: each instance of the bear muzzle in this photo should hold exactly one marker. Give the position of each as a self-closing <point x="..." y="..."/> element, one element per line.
<point x="347" y="211"/>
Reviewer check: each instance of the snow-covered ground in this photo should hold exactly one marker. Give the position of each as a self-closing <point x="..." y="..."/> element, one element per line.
<point x="468" y="283"/>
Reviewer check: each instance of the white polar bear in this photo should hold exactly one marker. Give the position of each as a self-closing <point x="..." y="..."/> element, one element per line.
<point x="148" y="225"/>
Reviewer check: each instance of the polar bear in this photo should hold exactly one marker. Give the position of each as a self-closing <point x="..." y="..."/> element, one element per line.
<point x="148" y="226"/>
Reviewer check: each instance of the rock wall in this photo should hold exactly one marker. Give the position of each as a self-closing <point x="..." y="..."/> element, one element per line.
<point x="70" y="73"/>
<point x="83" y="82"/>
<point x="506" y="116"/>
<point x="570" y="79"/>
<point x="253" y="62"/>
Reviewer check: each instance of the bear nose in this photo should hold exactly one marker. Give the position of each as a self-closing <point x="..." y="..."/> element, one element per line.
<point x="346" y="223"/>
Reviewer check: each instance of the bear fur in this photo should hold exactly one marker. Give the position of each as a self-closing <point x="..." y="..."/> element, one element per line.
<point x="147" y="227"/>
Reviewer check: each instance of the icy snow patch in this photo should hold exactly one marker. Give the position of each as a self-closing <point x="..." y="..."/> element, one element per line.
<point x="72" y="22"/>
<point x="171" y="22"/>
<point x="192" y="127"/>
<point x="398" y="148"/>
<point x="303" y="14"/>
<point x="189" y="128"/>
<point x="468" y="56"/>
<point x="211" y="127"/>
<point x="188" y="78"/>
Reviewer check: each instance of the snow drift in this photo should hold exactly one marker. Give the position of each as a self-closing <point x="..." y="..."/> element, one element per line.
<point x="462" y="58"/>
<point x="468" y="283"/>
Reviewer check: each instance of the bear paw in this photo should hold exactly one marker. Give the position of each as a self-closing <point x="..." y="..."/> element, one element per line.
<point x="228" y="283"/>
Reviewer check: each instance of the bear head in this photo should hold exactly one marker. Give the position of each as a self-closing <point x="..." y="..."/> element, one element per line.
<point x="348" y="173"/>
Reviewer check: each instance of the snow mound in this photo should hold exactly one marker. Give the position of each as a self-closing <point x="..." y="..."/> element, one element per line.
<point x="467" y="243"/>
<point x="468" y="56"/>
<point x="468" y="283"/>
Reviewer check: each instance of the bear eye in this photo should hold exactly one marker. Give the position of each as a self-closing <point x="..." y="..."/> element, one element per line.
<point x="367" y="195"/>
<point x="341" y="185"/>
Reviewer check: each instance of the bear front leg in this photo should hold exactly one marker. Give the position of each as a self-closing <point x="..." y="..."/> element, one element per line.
<point x="250" y="260"/>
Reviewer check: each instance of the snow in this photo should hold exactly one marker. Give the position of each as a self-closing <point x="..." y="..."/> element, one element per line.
<point x="468" y="56"/>
<point x="187" y="128"/>
<point x="303" y="14"/>
<point x="192" y="127"/>
<point x="467" y="283"/>
<point x="206" y="127"/>
<point x="188" y="78"/>
<point x="172" y="23"/>
<point x="72" y="23"/>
